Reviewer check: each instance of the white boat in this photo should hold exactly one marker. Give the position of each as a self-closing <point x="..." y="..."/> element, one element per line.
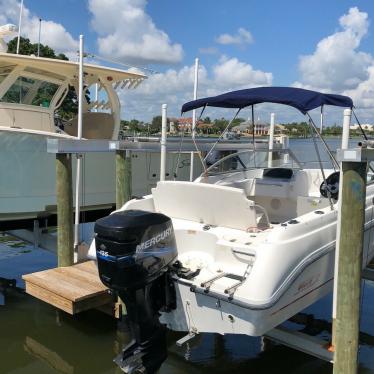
<point x="243" y="248"/>
<point x="31" y="91"/>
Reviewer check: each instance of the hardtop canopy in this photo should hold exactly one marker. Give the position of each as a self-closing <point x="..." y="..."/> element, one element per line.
<point x="62" y="69"/>
<point x="299" y="98"/>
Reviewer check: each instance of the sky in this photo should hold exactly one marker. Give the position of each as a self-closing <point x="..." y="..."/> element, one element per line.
<point x="321" y="45"/>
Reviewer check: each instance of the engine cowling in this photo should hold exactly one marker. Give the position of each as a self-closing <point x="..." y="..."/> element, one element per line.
<point x="135" y="250"/>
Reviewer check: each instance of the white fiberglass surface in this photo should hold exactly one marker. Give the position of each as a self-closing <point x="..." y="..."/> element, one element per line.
<point x="196" y="249"/>
<point x="212" y="251"/>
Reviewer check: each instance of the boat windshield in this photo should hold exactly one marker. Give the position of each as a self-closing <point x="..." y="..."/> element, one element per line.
<point x="30" y="91"/>
<point x="259" y="159"/>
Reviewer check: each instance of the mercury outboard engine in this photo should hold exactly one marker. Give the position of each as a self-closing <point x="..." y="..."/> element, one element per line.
<point x="135" y="250"/>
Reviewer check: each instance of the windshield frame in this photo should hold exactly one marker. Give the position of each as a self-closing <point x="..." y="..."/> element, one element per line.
<point x="209" y="171"/>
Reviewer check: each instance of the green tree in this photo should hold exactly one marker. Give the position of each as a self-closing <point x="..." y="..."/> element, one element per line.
<point x="28" y="48"/>
<point x="156" y="125"/>
<point x="237" y="121"/>
<point x="220" y="124"/>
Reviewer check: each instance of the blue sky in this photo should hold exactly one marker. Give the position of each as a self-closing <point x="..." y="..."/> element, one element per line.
<point x="323" y="45"/>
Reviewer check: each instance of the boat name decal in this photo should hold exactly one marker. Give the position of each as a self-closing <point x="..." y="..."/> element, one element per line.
<point x="154" y="240"/>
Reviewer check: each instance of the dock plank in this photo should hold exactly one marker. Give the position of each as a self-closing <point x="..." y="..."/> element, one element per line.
<point x="72" y="288"/>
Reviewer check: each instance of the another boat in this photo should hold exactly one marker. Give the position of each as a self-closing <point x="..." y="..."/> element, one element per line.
<point x="240" y="250"/>
<point x="32" y="89"/>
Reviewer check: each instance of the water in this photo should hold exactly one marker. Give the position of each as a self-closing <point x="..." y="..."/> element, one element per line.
<point x="37" y="339"/>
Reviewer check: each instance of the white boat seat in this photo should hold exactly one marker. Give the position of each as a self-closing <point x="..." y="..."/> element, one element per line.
<point x="205" y="203"/>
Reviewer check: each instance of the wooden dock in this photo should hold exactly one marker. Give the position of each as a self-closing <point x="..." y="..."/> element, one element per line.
<point x="72" y="289"/>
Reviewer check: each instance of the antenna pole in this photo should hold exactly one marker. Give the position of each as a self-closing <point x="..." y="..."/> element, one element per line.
<point x="19" y="26"/>
<point x="79" y="136"/>
<point x="40" y="29"/>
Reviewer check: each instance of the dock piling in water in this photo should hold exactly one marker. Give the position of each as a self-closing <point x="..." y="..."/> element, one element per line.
<point x="123" y="177"/>
<point x="64" y="192"/>
<point x="352" y="220"/>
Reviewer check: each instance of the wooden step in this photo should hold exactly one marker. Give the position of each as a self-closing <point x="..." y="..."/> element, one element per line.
<point x="73" y="288"/>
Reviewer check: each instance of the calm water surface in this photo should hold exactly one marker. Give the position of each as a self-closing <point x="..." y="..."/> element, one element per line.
<point x="37" y="339"/>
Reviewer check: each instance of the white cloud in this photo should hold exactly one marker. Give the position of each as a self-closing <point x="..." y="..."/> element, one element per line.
<point x="234" y="73"/>
<point x="128" y="33"/>
<point x="363" y="94"/>
<point x="52" y="34"/>
<point x="336" y="64"/>
<point x="175" y="87"/>
<point x="208" y="50"/>
<point x="242" y="37"/>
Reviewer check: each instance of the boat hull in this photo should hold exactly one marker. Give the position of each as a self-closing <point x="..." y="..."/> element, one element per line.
<point x="201" y="311"/>
<point x="28" y="182"/>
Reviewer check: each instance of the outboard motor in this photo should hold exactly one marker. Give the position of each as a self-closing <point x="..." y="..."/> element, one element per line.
<point x="135" y="250"/>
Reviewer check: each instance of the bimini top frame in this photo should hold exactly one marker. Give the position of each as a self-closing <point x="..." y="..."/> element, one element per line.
<point x="301" y="99"/>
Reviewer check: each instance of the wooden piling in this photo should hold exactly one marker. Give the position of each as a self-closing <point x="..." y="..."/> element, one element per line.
<point x="64" y="192"/>
<point x="123" y="177"/>
<point x="123" y="190"/>
<point x="352" y="220"/>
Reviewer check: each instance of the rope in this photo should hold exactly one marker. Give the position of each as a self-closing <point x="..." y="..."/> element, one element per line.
<point x="359" y="125"/>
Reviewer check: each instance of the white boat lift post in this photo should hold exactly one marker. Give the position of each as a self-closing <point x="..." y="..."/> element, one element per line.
<point x="163" y="142"/>
<point x="193" y="124"/>
<point x="345" y="140"/>
<point x="271" y="140"/>
<point x="79" y="156"/>
<point x="19" y="26"/>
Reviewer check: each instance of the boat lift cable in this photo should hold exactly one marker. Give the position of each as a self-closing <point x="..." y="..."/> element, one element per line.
<point x="363" y="134"/>
<point x="321" y="165"/>
<point x="359" y="125"/>
<point x="333" y="159"/>
<point x="221" y="135"/>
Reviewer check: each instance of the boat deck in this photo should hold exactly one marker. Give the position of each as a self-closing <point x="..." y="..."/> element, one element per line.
<point x="72" y="289"/>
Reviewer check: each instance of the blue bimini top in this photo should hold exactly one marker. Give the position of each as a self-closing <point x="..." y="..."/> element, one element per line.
<point x="303" y="100"/>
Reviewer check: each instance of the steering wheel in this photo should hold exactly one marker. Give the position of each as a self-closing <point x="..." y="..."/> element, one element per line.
<point x="331" y="185"/>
